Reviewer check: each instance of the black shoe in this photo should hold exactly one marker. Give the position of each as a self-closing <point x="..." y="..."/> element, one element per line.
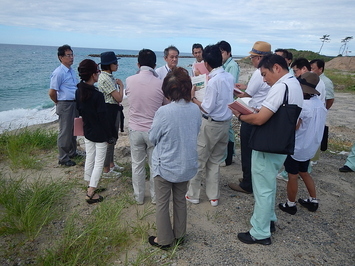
<point x="311" y="206"/>
<point x="272" y="227"/>
<point x="155" y="244"/>
<point x="180" y="241"/>
<point x="247" y="238"/>
<point x="90" y="200"/>
<point x="291" y="210"/>
<point x="67" y="163"/>
<point x="345" y="169"/>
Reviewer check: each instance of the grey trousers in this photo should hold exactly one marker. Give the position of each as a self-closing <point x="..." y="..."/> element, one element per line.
<point x="166" y="233"/>
<point x="66" y="142"/>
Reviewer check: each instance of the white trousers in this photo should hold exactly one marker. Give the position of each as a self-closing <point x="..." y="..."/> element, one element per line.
<point x="141" y="149"/>
<point x="94" y="163"/>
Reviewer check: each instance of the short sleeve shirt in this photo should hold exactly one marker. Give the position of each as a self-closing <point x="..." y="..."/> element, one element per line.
<point x="107" y="85"/>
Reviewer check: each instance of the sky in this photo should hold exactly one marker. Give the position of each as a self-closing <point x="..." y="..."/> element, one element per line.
<point x="156" y="24"/>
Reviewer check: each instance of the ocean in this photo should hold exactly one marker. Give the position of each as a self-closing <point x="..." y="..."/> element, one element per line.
<point x="25" y="77"/>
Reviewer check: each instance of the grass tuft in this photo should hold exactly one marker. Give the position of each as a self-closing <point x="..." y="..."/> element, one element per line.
<point x="23" y="146"/>
<point x="94" y="240"/>
<point x="27" y="207"/>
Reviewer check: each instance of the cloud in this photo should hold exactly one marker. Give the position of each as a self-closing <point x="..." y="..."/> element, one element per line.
<point x="282" y="23"/>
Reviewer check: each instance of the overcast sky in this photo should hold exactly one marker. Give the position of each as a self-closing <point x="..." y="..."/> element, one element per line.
<point x="137" y="24"/>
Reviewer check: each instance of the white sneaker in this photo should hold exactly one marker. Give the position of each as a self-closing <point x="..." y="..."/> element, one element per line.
<point x="111" y="174"/>
<point x="194" y="201"/>
<point x="117" y="168"/>
<point x="214" y="202"/>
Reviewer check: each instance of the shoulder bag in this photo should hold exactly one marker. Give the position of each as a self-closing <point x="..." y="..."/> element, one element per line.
<point x="277" y="135"/>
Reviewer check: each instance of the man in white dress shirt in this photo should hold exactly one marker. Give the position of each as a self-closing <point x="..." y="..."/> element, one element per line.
<point x="171" y="57"/>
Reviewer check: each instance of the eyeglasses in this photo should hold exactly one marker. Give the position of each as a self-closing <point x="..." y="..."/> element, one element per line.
<point x="68" y="55"/>
<point x="253" y="56"/>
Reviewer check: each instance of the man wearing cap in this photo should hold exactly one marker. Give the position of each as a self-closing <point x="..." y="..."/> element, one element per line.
<point x="145" y="96"/>
<point x="113" y="92"/>
<point x="309" y="132"/>
<point x="274" y="70"/>
<point x="62" y="93"/>
<point x="171" y="57"/>
<point x="257" y="89"/>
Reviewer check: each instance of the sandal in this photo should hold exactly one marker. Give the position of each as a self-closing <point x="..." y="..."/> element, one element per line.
<point x="90" y="200"/>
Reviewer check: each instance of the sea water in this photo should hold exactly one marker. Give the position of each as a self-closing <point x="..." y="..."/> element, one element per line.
<point x="25" y="77"/>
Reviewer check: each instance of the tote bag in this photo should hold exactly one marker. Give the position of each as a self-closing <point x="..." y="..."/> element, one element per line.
<point x="277" y="135"/>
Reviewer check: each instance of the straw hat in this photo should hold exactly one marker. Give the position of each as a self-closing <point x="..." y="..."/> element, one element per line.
<point x="309" y="81"/>
<point x="261" y="48"/>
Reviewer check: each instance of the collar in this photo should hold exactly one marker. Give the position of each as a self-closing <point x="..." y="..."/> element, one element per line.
<point x="227" y="62"/>
<point x="216" y="71"/>
<point x="67" y="69"/>
<point x="106" y="73"/>
<point x="147" y="68"/>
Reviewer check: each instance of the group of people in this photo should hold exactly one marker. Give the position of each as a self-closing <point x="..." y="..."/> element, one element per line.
<point x="184" y="139"/>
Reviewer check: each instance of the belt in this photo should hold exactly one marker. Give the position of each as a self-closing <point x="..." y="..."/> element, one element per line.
<point x="67" y="101"/>
<point x="210" y="118"/>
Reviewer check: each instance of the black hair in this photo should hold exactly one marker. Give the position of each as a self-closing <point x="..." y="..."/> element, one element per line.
<point x="171" y="47"/>
<point x="319" y="62"/>
<point x="196" y="46"/>
<point x="290" y="56"/>
<point x="300" y="63"/>
<point x="268" y="62"/>
<point x="147" y="57"/>
<point x="225" y="46"/>
<point x="284" y="52"/>
<point x="62" y="49"/>
<point x="212" y="55"/>
<point x="86" y="69"/>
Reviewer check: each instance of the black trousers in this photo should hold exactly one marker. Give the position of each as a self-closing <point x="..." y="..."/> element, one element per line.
<point x="245" y="131"/>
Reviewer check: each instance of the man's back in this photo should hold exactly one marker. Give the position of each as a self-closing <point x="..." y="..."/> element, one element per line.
<point x="145" y="96"/>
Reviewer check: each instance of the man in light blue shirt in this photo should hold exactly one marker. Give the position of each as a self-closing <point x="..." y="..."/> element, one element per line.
<point x="62" y="93"/>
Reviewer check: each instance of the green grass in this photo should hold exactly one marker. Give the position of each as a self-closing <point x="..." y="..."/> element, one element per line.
<point x="27" y="207"/>
<point x="343" y="81"/>
<point x="22" y="147"/>
<point x="93" y="240"/>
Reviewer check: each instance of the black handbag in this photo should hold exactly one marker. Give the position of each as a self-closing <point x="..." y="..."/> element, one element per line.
<point x="324" y="142"/>
<point x="277" y="135"/>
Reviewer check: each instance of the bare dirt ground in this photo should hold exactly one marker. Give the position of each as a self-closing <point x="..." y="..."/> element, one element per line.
<point x="325" y="237"/>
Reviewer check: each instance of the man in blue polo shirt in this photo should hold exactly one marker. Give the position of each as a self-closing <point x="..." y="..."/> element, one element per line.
<point x="62" y="93"/>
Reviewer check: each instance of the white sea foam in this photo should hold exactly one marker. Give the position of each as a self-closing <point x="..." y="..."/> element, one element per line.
<point x="19" y="118"/>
